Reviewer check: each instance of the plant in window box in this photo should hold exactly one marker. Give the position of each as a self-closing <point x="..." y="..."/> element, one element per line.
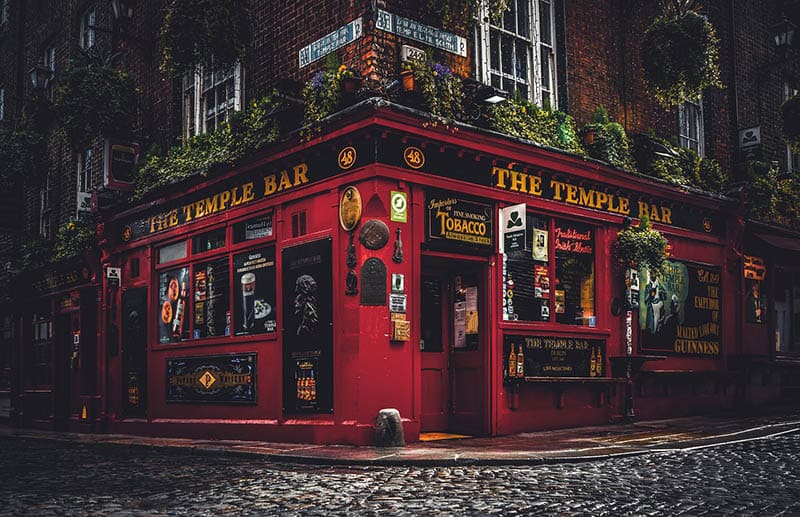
<point x="204" y="32"/>
<point x="95" y="100"/>
<point x="790" y="120"/>
<point x="680" y="54"/>
<point x="658" y="158"/>
<point x="441" y="90"/>
<point x="641" y="246"/>
<point x="520" y="118"/>
<point x="75" y="238"/>
<point x="323" y="92"/>
<point x="460" y="14"/>
<point x="607" y="141"/>
<point x="348" y="79"/>
<point x="771" y="197"/>
<point x="407" y="76"/>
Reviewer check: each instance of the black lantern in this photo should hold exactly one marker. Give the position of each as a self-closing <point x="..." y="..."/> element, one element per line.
<point x="123" y="9"/>
<point x="783" y="34"/>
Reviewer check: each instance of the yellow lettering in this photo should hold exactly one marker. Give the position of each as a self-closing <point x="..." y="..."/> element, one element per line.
<point x="224" y="197"/>
<point x="654" y="214"/>
<point x="666" y="215"/>
<point x="270" y="185"/>
<point x="285" y="182"/>
<point x="535" y="185"/>
<point x="556" y="186"/>
<point x="173" y="217"/>
<point x="602" y="199"/>
<point x="572" y="194"/>
<point x="643" y="209"/>
<point x="211" y="204"/>
<point x="586" y="197"/>
<point x="518" y="181"/>
<point x="300" y="174"/>
<point x="187" y="212"/>
<point x="500" y="176"/>
<point x="247" y="192"/>
<point x="624" y="206"/>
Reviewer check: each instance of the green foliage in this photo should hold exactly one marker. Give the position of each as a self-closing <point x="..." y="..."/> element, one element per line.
<point x="229" y="142"/>
<point x="684" y="167"/>
<point x="22" y="155"/>
<point x="519" y="118"/>
<point x="442" y="90"/>
<point x="212" y="33"/>
<point x="323" y="93"/>
<point x="607" y="141"/>
<point x="35" y="252"/>
<point x="770" y="197"/>
<point x="75" y="237"/>
<point x="641" y="246"/>
<point x="95" y="100"/>
<point x="790" y="121"/>
<point x="460" y="14"/>
<point x="680" y="57"/>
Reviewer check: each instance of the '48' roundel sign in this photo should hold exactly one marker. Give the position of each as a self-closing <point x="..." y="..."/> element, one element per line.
<point x="414" y="157"/>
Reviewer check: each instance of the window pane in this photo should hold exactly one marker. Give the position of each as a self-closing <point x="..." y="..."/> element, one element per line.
<point x="526" y="293"/>
<point x="545" y="33"/>
<point x="172" y="252"/>
<point x="252" y="229"/>
<point x="254" y="292"/>
<point x="521" y="58"/>
<point x="574" y="285"/>
<point x="209" y="241"/>
<point x="509" y="16"/>
<point x="523" y="18"/>
<point x="545" y="71"/>
<point x="494" y="62"/>
<point x="211" y="303"/>
<point x="507" y="55"/>
<point x="173" y="292"/>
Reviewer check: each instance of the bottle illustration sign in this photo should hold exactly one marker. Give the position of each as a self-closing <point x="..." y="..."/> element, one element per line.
<point x="173" y="286"/>
<point x="254" y="292"/>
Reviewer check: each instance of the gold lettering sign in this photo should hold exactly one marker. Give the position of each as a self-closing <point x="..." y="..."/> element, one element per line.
<point x="414" y="157"/>
<point x="754" y="268"/>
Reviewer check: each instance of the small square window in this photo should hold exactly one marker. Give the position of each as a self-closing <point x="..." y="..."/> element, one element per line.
<point x="170" y="252"/>
<point x="209" y="241"/>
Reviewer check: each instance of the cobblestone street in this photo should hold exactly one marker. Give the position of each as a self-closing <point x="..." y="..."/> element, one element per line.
<point x="40" y="477"/>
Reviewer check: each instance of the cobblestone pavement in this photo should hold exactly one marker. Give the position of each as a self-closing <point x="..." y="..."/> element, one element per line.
<point x="41" y="477"/>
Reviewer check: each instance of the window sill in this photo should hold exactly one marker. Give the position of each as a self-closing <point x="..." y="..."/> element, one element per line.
<point x="540" y="327"/>
<point x="212" y="342"/>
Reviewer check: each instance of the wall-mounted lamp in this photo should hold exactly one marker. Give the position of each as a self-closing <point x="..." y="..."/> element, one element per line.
<point x="490" y="95"/>
<point x="783" y="34"/>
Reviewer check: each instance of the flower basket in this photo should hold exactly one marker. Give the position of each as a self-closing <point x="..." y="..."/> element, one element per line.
<point x="790" y="119"/>
<point x="641" y="246"/>
<point x="680" y="57"/>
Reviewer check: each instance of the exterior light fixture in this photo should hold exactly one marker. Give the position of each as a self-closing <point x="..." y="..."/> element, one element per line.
<point x="490" y="95"/>
<point x="123" y="9"/>
<point x="783" y="34"/>
<point x="40" y="77"/>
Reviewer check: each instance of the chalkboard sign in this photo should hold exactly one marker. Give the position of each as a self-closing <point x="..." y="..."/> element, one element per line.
<point x="547" y="356"/>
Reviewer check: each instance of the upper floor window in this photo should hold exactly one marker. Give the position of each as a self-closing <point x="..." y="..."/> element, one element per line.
<point x="87" y="28"/>
<point x="44" y="208"/>
<point x="2" y="102"/>
<point x="792" y="159"/>
<point x="3" y="11"/>
<point x="85" y="182"/>
<point x="690" y="119"/>
<point x="209" y="98"/>
<point x="49" y="62"/>
<point x="517" y="53"/>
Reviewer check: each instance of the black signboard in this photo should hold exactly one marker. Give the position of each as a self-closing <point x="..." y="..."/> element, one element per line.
<point x="307" y="328"/>
<point x="221" y="379"/>
<point x="452" y="219"/>
<point x="545" y="356"/>
<point x="373" y="282"/>
<point x="254" y="292"/>
<point x="679" y="310"/>
<point x="173" y="322"/>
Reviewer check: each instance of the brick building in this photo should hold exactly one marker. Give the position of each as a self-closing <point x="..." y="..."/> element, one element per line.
<point x="410" y="318"/>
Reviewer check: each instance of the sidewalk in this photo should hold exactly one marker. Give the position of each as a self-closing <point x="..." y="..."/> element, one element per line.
<point x="561" y="446"/>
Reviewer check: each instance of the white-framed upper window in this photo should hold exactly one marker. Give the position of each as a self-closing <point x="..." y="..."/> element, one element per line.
<point x="209" y="98"/>
<point x="690" y="121"/>
<point x="49" y="62"/>
<point x="87" y="35"/>
<point x="792" y="159"/>
<point x="44" y="208"/>
<point x="3" y="11"/>
<point x="2" y="102"/>
<point x="518" y="52"/>
<point x="85" y="182"/>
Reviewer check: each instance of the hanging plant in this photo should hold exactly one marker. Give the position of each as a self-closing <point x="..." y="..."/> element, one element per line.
<point x="204" y="32"/>
<point x="680" y="54"/>
<point x="323" y="93"/>
<point x="75" y="237"/>
<point x="790" y="120"/>
<point x="641" y="246"/>
<point x="22" y="155"/>
<point x="95" y="100"/>
<point x="460" y="14"/>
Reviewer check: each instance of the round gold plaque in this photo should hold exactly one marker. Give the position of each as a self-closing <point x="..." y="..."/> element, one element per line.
<point x="350" y="208"/>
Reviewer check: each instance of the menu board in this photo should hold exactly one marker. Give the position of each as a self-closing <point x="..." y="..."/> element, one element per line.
<point x="546" y="356"/>
<point x="173" y="324"/>
<point x="679" y="309"/>
<point x="254" y="292"/>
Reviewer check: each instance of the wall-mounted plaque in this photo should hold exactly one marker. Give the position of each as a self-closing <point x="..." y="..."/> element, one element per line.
<point x="350" y="208"/>
<point x="374" y="234"/>
<point x="373" y="282"/>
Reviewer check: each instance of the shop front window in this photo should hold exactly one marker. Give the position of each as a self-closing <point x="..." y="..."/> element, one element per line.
<point x="214" y="291"/>
<point x="787" y="311"/>
<point x="552" y="278"/>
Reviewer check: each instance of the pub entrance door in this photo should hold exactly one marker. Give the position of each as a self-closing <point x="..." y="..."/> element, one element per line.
<point x="453" y="346"/>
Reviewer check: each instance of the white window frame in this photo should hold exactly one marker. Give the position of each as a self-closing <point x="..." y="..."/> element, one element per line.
<point x="690" y="115"/>
<point x="44" y="209"/>
<point x="792" y="159"/>
<point x="195" y="97"/>
<point x="2" y="102"/>
<point x="535" y="45"/>
<point x="49" y="62"/>
<point x="87" y="34"/>
<point x="85" y="183"/>
<point x="3" y="12"/>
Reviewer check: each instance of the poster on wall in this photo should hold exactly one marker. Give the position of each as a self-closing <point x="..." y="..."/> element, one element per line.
<point x="679" y="309"/>
<point x="254" y="292"/>
<point x="307" y="328"/>
<point x="173" y="325"/>
<point x="211" y="307"/>
<point x="222" y="379"/>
